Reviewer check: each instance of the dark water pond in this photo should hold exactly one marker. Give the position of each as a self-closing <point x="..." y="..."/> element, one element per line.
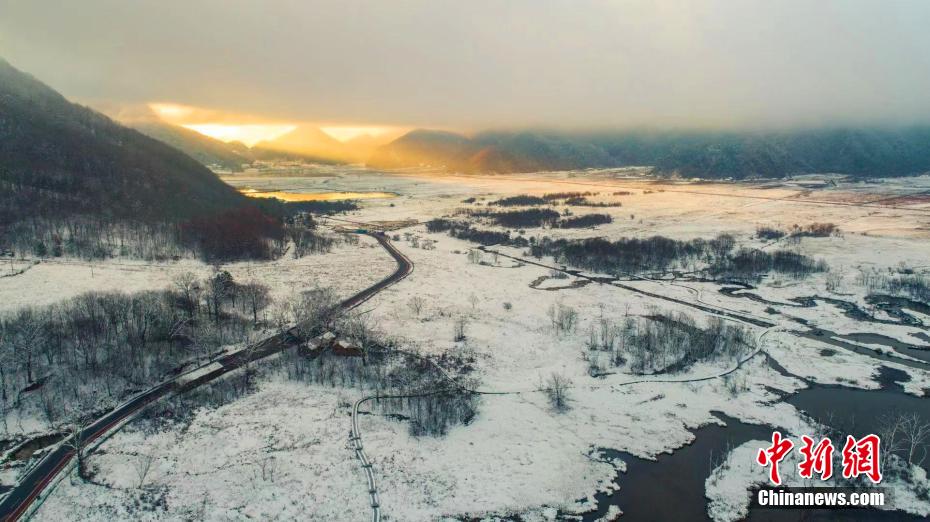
<point x="672" y="487"/>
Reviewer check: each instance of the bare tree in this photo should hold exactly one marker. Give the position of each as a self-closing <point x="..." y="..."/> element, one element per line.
<point x="249" y="353"/>
<point x="892" y="435"/>
<point x="461" y="324"/>
<point x="268" y="465"/>
<point x="722" y="244"/>
<point x="916" y="436"/>
<point x="7" y="352"/>
<point x="27" y="340"/>
<point x="188" y="286"/>
<point x="416" y="305"/>
<point x="220" y="287"/>
<point x="314" y="307"/>
<point x="142" y="465"/>
<point x="834" y="280"/>
<point x="296" y="234"/>
<point x="557" y="387"/>
<point x="361" y="329"/>
<point x="76" y="442"/>
<point x="256" y="297"/>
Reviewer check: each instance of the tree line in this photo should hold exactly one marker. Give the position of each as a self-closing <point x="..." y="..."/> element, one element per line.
<point x="716" y="258"/>
<point x="244" y="233"/>
<point x="90" y="351"/>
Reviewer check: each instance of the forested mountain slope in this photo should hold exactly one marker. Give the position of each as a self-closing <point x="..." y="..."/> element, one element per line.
<point x="59" y="159"/>
<point x="860" y="152"/>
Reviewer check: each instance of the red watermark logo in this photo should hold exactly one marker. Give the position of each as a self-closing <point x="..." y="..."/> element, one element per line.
<point x="860" y="457"/>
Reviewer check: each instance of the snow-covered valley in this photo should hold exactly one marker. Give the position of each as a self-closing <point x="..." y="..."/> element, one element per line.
<point x="282" y="451"/>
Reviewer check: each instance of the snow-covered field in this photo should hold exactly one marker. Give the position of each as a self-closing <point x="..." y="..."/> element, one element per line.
<point x="282" y="453"/>
<point x="347" y="269"/>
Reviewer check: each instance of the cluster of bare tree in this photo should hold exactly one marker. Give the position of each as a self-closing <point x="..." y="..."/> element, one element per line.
<point x="416" y="241"/>
<point x="237" y="234"/>
<point x="556" y="196"/>
<point x="905" y="283"/>
<point x="92" y="238"/>
<point x="524" y="218"/>
<point x="905" y="444"/>
<point x="585" y="202"/>
<point x="585" y="221"/>
<point x="714" y="258"/>
<point x="906" y="435"/>
<point x="523" y="200"/>
<point x="563" y="318"/>
<point x="751" y="264"/>
<point x="409" y="386"/>
<point x="663" y="343"/>
<point x="463" y="230"/>
<point x="815" y="230"/>
<point x="767" y="232"/>
<point x="95" y="348"/>
<point x="632" y="255"/>
<point x="798" y="231"/>
<point x="306" y="240"/>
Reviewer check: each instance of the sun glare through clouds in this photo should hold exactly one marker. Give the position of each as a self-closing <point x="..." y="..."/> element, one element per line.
<point x="250" y="129"/>
<point x="171" y="111"/>
<point x="348" y="133"/>
<point x="220" y="124"/>
<point x="249" y="134"/>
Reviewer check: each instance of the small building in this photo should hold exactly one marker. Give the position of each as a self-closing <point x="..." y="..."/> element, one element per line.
<point x="346" y="348"/>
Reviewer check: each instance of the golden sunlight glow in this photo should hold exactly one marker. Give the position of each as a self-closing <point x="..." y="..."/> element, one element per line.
<point x="315" y="196"/>
<point x="347" y="133"/>
<point x="250" y="134"/>
<point x="291" y="136"/>
<point x="171" y="111"/>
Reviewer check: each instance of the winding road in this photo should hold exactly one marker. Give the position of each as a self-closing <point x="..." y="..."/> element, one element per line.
<point x="21" y="498"/>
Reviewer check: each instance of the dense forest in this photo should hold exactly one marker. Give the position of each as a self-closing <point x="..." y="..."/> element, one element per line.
<point x="859" y="152"/>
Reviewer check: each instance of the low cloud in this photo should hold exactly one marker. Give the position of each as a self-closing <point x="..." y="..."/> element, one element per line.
<point x="471" y="65"/>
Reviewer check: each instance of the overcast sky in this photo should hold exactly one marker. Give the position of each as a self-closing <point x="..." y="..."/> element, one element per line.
<point x="475" y="64"/>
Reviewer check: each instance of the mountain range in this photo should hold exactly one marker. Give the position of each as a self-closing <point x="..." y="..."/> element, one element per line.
<point x="857" y="151"/>
<point x="304" y="143"/>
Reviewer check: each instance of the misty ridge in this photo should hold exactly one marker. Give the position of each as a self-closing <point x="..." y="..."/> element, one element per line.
<point x="861" y="152"/>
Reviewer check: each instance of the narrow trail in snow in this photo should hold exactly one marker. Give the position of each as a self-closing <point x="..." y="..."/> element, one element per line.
<point x="356" y="436"/>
